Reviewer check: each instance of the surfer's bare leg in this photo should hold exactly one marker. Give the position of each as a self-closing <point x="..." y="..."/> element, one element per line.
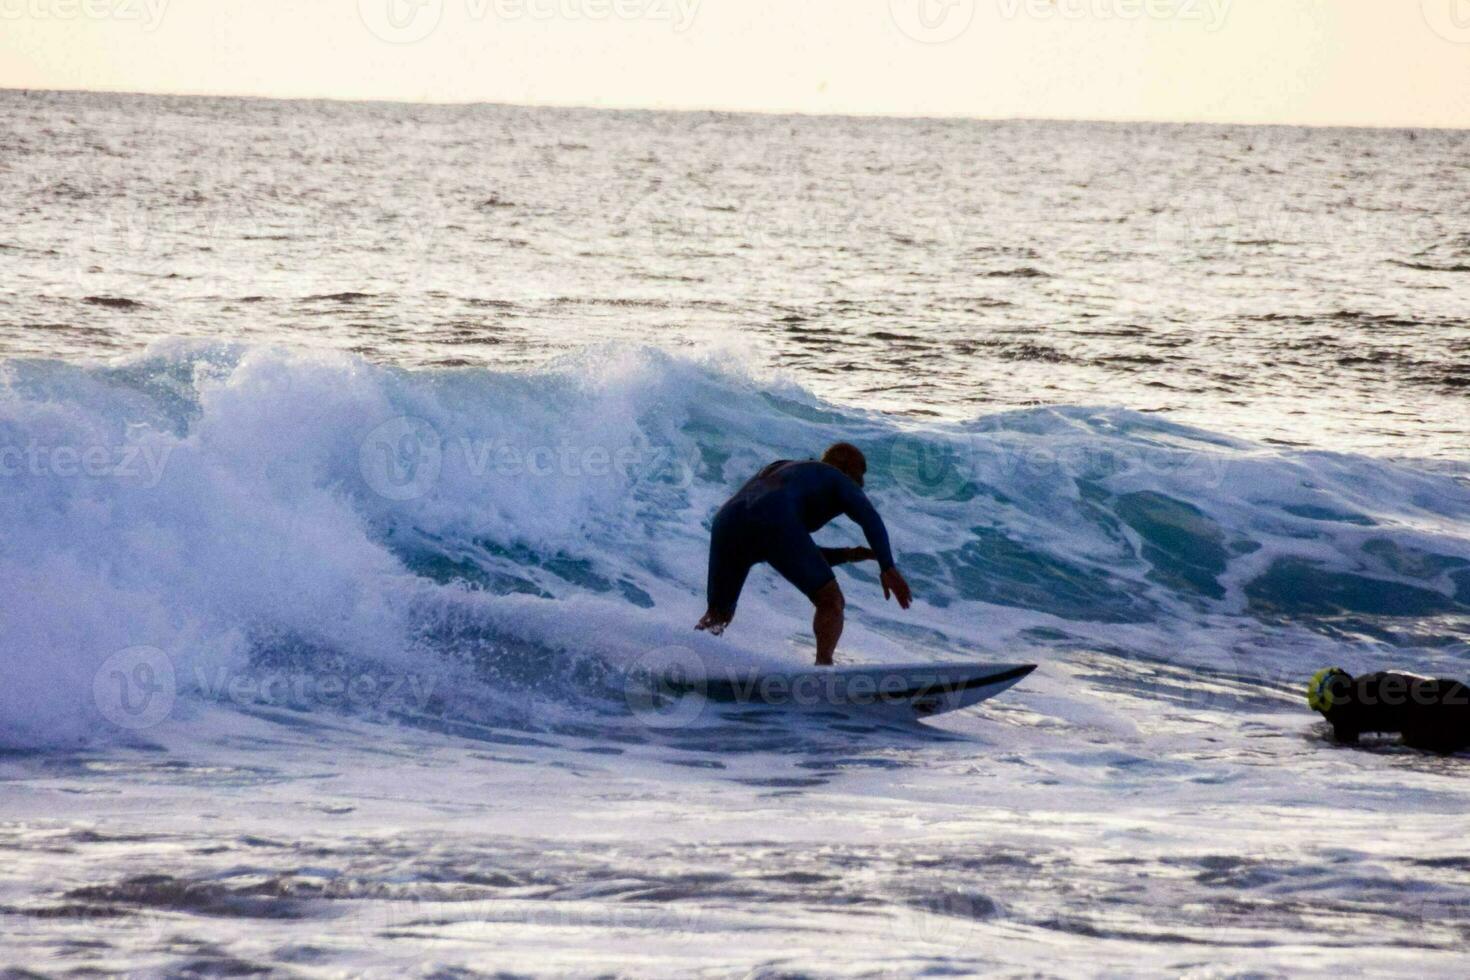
<point x="714" y="621"/>
<point x="827" y="622"/>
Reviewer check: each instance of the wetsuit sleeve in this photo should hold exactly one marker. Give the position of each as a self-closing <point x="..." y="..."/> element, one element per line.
<point x="855" y="504"/>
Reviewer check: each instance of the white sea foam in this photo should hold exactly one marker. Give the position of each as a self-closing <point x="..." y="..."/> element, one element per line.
<point x="307" y="505"/>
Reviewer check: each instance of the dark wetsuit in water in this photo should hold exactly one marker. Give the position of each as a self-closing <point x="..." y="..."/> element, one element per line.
<point x="771" y="519"/>
<point x="1430" y="714"/>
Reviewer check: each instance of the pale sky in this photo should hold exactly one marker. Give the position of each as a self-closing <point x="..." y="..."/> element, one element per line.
<point x="1353" y="62"/>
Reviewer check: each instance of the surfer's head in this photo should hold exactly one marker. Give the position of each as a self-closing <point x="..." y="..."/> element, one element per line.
<point x="1327" y="687"/>
<point x="847" y="458"/>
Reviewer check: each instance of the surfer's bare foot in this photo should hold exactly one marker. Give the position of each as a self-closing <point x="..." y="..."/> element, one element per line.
<point x="713" y="623"/>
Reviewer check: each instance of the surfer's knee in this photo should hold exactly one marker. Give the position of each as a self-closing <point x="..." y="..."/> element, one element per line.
<point x="829" y="598"/>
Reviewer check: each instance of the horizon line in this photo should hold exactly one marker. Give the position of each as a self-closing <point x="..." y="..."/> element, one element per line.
<point x="778" y="113"/>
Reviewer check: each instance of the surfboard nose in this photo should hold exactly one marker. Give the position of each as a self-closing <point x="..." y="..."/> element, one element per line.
<point x="1012" y="674"/>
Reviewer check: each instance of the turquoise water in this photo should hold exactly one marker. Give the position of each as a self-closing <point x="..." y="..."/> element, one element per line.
<point x="357" y="462"/>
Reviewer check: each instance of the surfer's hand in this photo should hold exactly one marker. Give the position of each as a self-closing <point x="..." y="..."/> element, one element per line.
<point x="894" y="583"/>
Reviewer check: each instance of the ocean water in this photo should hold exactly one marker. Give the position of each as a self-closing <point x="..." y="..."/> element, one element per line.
<point x="357" y="462"/>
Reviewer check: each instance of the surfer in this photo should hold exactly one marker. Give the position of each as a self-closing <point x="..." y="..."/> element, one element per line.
<point x="1428" y="713"/>
<point x="771" y="519"/>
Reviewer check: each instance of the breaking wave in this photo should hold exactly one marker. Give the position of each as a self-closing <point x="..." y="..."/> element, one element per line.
<point x="224" y="521"/>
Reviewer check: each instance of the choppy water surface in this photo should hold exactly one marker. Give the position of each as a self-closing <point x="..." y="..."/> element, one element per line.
<point x="1311" y="286"/>
<point x="357" y="461"/>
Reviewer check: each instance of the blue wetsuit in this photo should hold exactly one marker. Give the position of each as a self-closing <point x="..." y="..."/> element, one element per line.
<point x="771" y="519"/>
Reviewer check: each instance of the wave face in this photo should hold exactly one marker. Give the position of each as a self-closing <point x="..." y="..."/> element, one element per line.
<point x="492" y="546"/>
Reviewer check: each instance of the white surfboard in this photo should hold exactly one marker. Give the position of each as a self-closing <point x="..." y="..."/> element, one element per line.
<point x="912" y="690"/>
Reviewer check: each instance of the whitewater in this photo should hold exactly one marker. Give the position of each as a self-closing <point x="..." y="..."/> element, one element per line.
<point x="327" y="640"/>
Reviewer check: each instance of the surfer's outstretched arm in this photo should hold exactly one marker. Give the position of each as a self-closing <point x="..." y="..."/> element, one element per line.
<point x="856" y="505"/>
<point x="844" y="556"/>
